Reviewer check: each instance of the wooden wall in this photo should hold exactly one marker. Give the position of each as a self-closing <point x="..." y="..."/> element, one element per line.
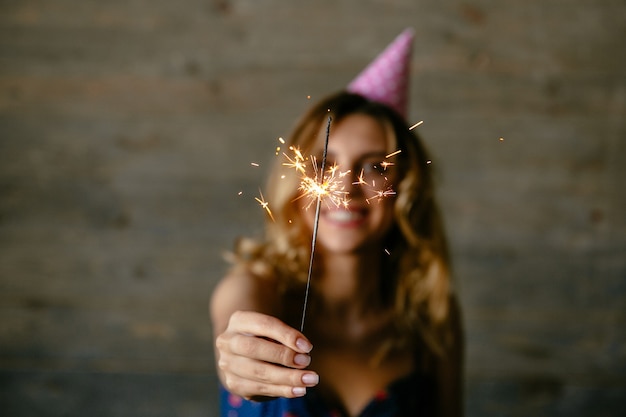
<point x="127" y="129"/>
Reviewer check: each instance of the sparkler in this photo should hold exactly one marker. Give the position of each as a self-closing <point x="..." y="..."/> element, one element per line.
<point x="324" y="185"/>
<point x="316" y="223"/>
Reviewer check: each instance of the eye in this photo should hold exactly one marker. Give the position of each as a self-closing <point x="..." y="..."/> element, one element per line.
<point x="375" y="172"/>
<point x="374" y="168"/>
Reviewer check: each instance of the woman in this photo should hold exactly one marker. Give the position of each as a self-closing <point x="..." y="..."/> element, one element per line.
<point x="382" y="335"/>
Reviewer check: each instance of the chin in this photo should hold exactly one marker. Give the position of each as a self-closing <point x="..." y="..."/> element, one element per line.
<point x="332" y="245"/>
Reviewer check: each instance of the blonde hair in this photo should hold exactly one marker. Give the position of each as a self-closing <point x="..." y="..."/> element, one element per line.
<point x="418" y="265"/>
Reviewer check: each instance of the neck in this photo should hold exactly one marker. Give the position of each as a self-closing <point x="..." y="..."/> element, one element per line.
<point x="350" y="282"/>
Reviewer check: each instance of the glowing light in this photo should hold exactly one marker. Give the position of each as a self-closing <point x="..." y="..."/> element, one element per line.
<point x="416" y="125"/>
<point x="264" y="205"/>
<point x="360" y="180"/>
<point x="380" y="194"/>
<point x="385" y="164"/>
<point x="297" y="162"/>
<point x="254" y="164"/>
<point x="326" y="186"/>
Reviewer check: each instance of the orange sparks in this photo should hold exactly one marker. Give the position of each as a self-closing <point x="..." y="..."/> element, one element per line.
<point x="416" y="125"/>
<point x="297" y="162"/>
<point x="393" y="153"/>
<point x="326" y="186"/>
<point x="360" y="180"/>
<point x="385" y="164"/>
<point x="380" y="194"/>
<point x="264" y="205"/>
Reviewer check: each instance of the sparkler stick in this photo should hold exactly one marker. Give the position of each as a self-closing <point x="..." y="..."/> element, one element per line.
<point x="315" y="224"/>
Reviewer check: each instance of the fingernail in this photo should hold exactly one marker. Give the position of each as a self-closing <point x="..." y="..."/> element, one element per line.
<point x="298" y="391"/>
<point x="310" y="379"/>
<point x="304" y="345"/>
<point x="302" y="359"/>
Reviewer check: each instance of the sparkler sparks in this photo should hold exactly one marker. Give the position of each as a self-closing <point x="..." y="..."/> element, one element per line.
<point x="326" y="186"/>
<point x="320" y="184"/>
<point x="297" y="162"/>
<point x="380" y="194"/>
<point x="387" y="190"/>
<point x="265" y="205"/>
<point x="323" y="184"/>
<point x="416" y="125"/>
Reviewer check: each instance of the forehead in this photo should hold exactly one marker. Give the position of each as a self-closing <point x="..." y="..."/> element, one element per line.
<point x="356" y="134"/>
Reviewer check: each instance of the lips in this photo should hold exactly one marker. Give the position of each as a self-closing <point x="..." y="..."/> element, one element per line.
<point x="345" y="217"/>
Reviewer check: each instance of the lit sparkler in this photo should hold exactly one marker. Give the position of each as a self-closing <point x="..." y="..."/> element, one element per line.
<point x="320" y="193"/>
<point x="324" y="185"/>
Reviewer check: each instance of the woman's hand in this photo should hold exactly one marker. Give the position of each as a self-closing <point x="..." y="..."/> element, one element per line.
<point x="260" y="356"/>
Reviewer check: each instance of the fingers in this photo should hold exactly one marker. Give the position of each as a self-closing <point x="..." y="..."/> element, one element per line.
<point x="259" y="355"/>
<point x="266" y="351"/>
<point x="250" y="378"/>
<point x="267" y="326"/>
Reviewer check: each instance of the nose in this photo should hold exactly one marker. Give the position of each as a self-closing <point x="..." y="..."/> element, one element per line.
<point x="353" y="183"/>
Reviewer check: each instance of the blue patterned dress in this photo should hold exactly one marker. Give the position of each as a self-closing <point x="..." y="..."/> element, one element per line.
<point x="409" y="396"/>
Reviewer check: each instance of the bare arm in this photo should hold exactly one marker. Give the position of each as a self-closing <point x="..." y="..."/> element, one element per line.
<point x="257" y="355"/>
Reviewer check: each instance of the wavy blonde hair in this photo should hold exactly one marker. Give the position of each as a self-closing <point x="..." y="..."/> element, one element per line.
<point x="419" y="286"/>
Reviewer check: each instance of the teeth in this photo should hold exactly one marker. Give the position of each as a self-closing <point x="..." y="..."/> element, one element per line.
<point x="344" y="215"/>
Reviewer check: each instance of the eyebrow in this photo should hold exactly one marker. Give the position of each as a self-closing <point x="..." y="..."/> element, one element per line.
<point x="376" y="154"/>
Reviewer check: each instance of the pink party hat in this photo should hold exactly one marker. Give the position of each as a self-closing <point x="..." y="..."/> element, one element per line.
<point x="386" y="79"/>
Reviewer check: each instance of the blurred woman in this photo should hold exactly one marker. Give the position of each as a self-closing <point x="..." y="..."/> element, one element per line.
<point x="382" y="335"/>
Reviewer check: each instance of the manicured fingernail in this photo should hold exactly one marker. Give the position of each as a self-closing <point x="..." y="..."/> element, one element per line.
<point x="310" y="379"/>
<point x="298" y="391"/>
<point x="302" y="359"/>
<point x="304" y="345"/>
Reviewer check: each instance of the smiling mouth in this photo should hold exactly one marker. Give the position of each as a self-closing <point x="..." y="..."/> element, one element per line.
<point x="345" y="217"/>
